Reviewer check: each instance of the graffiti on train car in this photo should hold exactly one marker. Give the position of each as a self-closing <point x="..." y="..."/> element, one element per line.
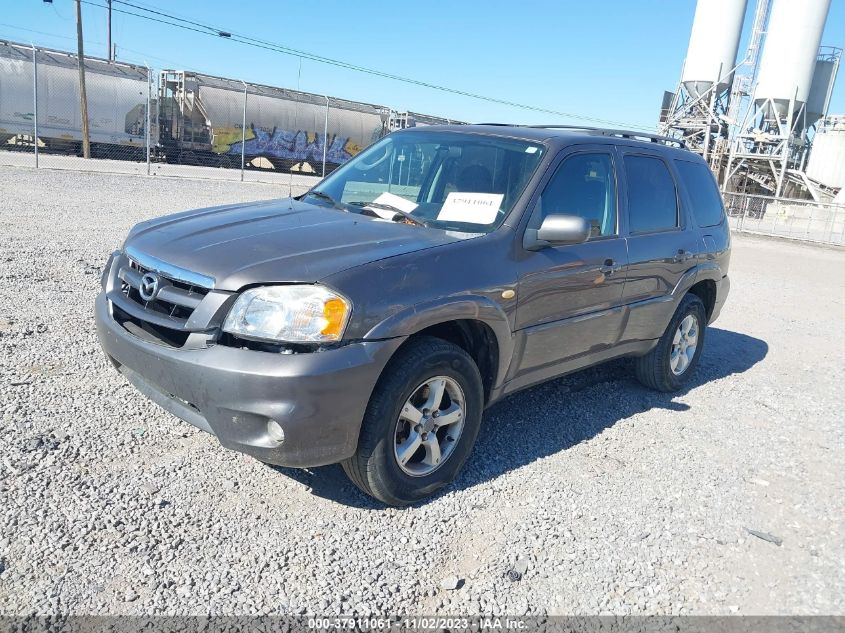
<point x="299" y="145"/>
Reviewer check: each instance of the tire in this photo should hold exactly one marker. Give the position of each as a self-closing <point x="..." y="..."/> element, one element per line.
<point x="655" y="369"/>
<point x="375" y="467"/>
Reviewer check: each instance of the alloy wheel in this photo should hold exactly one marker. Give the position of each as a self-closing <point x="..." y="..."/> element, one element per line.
<point x="429" y="426"/>
<point x="684" y="344"/>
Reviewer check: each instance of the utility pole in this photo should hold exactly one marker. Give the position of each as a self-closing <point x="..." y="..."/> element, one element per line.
<point x="83" y="97"/>
<point x="110" y="55"/>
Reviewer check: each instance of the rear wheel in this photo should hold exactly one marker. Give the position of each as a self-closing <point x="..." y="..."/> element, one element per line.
<point x="421" y="423"/>
<point x="672" y="362"/>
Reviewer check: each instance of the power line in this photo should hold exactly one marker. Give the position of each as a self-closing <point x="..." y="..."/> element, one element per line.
<point x="139" y="58"/>
<point x="22" y="28"/>
<point x="161" y="17"/>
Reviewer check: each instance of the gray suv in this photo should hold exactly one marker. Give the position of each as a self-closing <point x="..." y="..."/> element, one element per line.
<point x="371" y="320"/>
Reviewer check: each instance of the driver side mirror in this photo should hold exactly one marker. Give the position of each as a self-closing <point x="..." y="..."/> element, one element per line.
<point x="557" y="230"/>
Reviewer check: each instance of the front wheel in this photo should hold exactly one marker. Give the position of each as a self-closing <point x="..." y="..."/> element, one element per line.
<point x="673" y="360"/>
<point x="421" y="423"/>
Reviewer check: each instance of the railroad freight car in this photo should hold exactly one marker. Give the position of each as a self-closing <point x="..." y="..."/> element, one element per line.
<point x="202" y="121"/>
<point x="117" y="101"/>
<point x="401" y="120"/>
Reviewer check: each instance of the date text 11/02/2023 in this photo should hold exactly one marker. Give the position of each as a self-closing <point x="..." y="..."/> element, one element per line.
<point x="417" y="623"/>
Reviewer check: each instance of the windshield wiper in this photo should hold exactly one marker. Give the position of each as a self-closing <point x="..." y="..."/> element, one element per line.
<point x="327" y="198"/>
<point x="388" y="207"/>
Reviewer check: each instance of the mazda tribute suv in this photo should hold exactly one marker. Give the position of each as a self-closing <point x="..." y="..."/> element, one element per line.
<point x="372" y="319"/>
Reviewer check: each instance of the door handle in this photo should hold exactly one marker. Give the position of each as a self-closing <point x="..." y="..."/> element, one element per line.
<point x="682" y="256"/>
<point x="609" y="267"/>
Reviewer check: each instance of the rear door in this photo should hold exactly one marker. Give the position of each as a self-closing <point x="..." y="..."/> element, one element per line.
<point x="570" y="296"/>
<point x="662" y="242"/>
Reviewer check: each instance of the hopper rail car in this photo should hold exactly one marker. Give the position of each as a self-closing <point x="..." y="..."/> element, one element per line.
<point x="194" y="118"/>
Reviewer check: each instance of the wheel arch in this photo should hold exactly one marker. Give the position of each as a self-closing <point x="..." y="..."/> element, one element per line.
<point x="477" y="339"/>
<point x="705" y="289"/>
<point x="474" y="323"/>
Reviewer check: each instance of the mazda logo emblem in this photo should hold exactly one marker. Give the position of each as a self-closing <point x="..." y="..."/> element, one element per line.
<point x="149" y="286"/>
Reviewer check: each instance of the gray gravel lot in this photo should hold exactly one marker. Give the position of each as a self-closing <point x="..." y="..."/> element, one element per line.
<point x="101" y="165"/>
<point x="617" y="499"/>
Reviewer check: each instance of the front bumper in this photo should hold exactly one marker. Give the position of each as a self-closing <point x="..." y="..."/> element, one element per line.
<point x="318" y="398"/>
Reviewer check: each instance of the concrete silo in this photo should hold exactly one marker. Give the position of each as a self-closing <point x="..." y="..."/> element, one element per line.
<point x="794" y="80"/>
<point x="827" y="158"/>
<point x="696" y="111"/>
<point x="713" y="44"/>
<point x="821" y="88"/>
<point x="789" y="57"/>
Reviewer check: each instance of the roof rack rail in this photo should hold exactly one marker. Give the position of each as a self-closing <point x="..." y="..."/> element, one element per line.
<point x="631" y="134"/>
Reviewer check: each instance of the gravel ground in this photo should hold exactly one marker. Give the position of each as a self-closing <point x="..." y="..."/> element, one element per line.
<point x="100" y="165"/>
<point x="610" y="498"/>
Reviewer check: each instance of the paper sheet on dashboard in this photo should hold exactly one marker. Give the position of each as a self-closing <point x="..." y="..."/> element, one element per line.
<point x="394" y="201"/>
<point x="475" y="208"/>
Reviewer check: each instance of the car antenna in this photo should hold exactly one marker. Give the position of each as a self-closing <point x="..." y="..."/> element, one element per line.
<point x="295" y="127"/>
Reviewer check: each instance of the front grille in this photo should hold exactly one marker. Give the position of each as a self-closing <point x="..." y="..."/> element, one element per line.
<point x="157" y="305"/>
<point x="176" y="300"/>
<point x="165" y="317"/>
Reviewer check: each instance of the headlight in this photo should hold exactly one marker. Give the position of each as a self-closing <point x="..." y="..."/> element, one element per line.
<point x="295" y="314"/>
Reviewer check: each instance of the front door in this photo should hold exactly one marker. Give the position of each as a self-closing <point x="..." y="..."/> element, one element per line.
<point x="570" y="297"/>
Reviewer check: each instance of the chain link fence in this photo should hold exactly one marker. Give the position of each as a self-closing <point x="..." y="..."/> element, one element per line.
<point x="18" y="113"/>
<point x="40" y="108"/>
<point x="176" y="122"/>
<point x="783" y="217"/>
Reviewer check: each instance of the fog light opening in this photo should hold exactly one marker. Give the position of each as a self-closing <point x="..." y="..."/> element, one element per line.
<point x="275" y="431"/>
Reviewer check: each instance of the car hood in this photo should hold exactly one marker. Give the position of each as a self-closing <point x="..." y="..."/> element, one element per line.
<point x="276" y="241"/>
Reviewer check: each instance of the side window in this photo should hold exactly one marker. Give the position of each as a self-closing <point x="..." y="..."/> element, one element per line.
<point x="703" y="192"/>
<point x="652" y="201"/>
<point x="584" y="185"/>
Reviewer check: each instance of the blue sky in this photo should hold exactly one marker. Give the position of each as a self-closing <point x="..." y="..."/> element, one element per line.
<point x="609" y="59"/>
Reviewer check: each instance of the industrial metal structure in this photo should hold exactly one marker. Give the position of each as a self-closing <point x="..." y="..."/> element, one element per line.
<point x="771" y="145"/>
<point x="696" y="111"/>
<point x="755" y="121"/>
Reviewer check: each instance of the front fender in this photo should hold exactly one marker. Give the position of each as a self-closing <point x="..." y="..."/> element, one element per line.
<point x="418" y="317"/>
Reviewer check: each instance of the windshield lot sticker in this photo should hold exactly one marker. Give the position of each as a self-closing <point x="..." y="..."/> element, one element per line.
<point x="392" y="200"/>
<point x="477" y="208"/>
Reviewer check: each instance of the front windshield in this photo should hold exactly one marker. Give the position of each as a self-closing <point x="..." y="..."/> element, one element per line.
<point x="446" y="180"/>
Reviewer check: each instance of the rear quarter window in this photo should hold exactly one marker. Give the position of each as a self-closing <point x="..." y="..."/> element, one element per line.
<point x="703" y="193"/>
